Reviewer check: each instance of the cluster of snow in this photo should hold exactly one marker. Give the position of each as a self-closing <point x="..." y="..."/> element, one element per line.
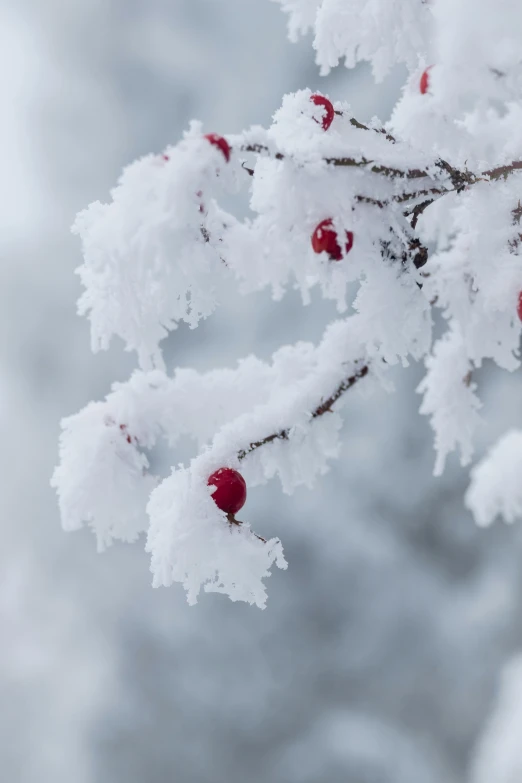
<point x="496" y="489"/>
<point x="161" y="250"/>
<point x="383" y="32"/>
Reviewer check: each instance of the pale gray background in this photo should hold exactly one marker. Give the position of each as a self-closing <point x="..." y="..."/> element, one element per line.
<point x="377" y="657"/>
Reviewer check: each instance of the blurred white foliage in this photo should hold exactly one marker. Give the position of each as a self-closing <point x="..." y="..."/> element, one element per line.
<point x="496" y="485"/>
<point x="162" y="249"/>
<point x="498" y="755"/>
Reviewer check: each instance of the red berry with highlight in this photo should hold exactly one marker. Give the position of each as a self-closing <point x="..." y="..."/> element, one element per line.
<point x="328" y="110"/>
<point x="519" y="307"/>
<point x="220" y="143"/>
<point x="230" y="493"/>
<point x="424" y="83"/>
<point x="324" y="239"/>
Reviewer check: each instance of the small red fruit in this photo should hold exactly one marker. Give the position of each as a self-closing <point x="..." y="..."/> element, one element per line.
<point x="220" y="143"/>
<point x="324" y="239"/>
<point x="424" y="83"/>
<point x="123" y="428"/>
<point x="328" y="114"/>
<point x="519" y="307"/>
<point x="230" y="493"/>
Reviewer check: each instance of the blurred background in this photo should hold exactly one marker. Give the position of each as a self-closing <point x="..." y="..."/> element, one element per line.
<point x="379" y="655"/>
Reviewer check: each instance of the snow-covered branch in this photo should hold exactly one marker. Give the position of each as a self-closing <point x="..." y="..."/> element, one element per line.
<point x="322" y="408"/>
<point x="419" y="215"/>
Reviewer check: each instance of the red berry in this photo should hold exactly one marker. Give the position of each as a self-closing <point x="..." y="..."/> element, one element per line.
<point x="328" y="114"/>
<point x="324" y="239"/>
<point x="519" y="307"/>
<point x="221" y="143"/>
<point x="123" y="428"/>
<point x="230" y="493"/>
<point x="425" y="81"/>
<point x="165" y="157"/>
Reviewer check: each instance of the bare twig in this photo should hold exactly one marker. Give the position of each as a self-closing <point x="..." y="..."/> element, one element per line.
<point x="418" y="210"/>
<point x="503" y="171"/>
<point x="387" y="171"/>
<point x="374" y="201"/>
<point x="419" y="193"/>
<point x="259" y="148"/>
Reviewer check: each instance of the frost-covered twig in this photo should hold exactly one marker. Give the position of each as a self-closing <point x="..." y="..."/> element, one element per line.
<point x="322" y="408"/>
<point x="333" y="202"/>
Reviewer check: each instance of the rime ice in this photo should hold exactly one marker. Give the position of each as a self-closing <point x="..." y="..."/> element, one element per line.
<point x="432" y="203"/>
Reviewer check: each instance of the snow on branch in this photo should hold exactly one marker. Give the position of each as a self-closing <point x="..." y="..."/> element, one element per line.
<point x="496" y="486"/>
<point x="450" y="399"/>
<point x="322" y="408"/>
<point x="107" y="440"/>
<point x="420" y="216"/>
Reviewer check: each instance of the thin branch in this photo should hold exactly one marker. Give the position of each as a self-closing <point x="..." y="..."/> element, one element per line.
<point x="459" y="179"/>
<point x="322" y="408"/>
<point x="258" y="148"/>
<point x="343" y="162"/>
<point x="374" y="201"/>
<point x="359" y="125"/>
<point x="387" y="171"/>
<point x="503" y="171"/>
<point x="326" y="406"/>
<point x="417" y="211"/>
<point x="429" y="192"/>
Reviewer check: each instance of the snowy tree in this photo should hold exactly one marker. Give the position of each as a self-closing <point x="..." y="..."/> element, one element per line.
<point x="412" y="224"/>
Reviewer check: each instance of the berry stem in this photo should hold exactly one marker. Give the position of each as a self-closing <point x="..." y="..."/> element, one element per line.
<point x="233" y="521"/>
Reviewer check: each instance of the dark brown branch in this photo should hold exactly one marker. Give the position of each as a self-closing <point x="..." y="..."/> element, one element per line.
<point x="258" y="148"/>
<point x="387" y="171"/>
<point x="459" y="179"/>
<point x="417" y="211"/>
<point x="343" y="162"/>
<point x="430" y="192"/>
<point x="418" y="254"/>
<point x="503" y="171"/>
<point x="322" y="408"/>
<point x="343" y="387"/>
<point x="359" y="125"/>
<point x="374" y="201"/>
